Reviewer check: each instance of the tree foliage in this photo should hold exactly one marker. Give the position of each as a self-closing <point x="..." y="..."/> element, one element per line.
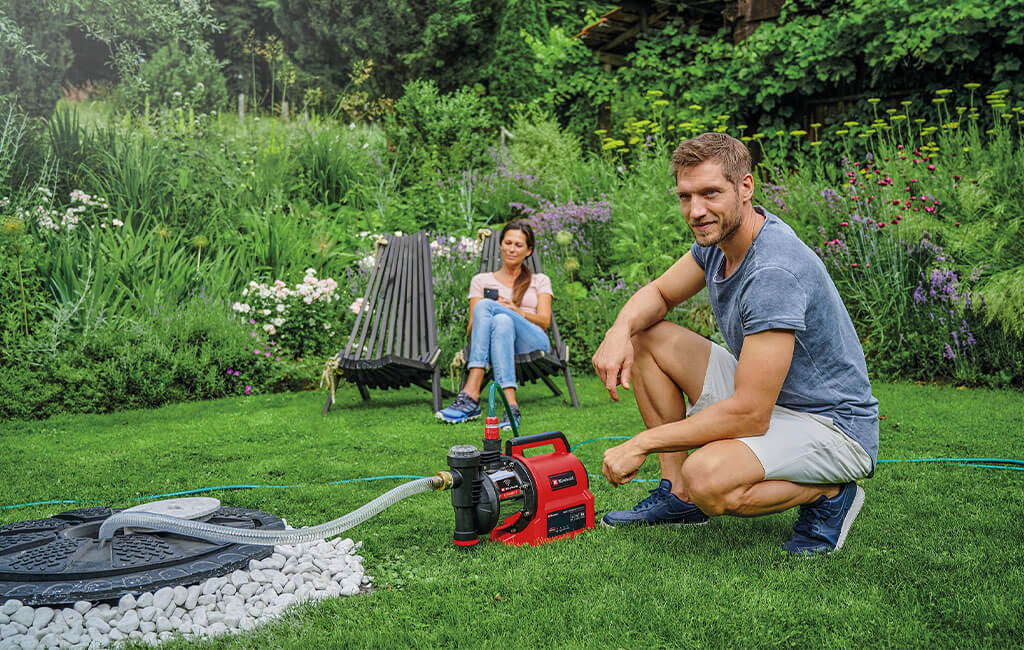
<point x="445" y="41"/>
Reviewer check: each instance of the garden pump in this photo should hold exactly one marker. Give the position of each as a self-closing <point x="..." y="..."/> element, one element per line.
<point x="518" y="499"/>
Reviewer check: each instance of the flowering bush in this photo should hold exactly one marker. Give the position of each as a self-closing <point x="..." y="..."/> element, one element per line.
<point x="83" y="210"/>
<point x="304" y="318"/>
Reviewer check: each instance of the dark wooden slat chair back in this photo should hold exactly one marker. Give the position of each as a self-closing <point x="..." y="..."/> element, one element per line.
<point x="397" y="315"/>
<point x="393" y="342"/>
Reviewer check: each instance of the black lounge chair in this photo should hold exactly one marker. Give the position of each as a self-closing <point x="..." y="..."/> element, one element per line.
<point x="536" y="365"/>
<point x="394" y="340"/>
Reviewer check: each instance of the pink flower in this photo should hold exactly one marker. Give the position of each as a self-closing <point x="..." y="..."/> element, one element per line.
<point x="267" y="354"/>
<point x="257" y="351"/>
<point x="248" y="389"/>
<point x="230" y="371"/>
<point x="277" y="359"/>
<point x="237" y="373"/>
<point x="844" y="223"/>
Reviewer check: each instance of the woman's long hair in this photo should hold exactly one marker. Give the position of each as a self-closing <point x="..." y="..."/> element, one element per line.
<point x="523" y="281"/>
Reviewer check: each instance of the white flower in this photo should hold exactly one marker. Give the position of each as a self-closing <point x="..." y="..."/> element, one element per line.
<point x="308" y="300"/>
<point x="269" y="329"/>
<point x="265" y="312"/>
<point x="241" y="307"/>
<point x="356" y="306"/>
<point x="280" y="308"/>
<point x="367" y="263"/>
<point x="278" y="322"/>
<point x="352" y="125"/>
<point x="117" y="222"/>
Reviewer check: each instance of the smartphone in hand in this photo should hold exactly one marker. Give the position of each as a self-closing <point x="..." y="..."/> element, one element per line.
<point x="491" y="293"/>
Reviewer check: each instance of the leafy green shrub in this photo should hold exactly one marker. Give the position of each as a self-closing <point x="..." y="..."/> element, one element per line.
<point x="448" y="131"/>
<point x="177" y="78"/>
<point x="176" y="353"/>
<point x="540" y="148"/>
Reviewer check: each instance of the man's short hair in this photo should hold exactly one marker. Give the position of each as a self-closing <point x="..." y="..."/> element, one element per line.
<point x="729" y="152"/>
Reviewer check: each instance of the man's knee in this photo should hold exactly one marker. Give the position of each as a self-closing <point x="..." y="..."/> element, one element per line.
<point x="712" y="482"/>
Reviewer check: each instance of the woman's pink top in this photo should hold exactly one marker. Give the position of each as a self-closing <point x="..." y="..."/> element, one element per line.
<point x="539" y="283"/>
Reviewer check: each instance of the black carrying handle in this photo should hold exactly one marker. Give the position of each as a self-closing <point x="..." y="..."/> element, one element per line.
<point x="536" y="440"/>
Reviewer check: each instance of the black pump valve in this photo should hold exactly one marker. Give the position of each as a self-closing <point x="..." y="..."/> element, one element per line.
<point x="464" y="460"/>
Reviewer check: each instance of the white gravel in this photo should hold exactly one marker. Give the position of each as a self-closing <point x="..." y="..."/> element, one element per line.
<point x="231" y="603"/>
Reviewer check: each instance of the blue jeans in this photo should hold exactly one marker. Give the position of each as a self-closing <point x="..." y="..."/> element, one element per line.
<point x="498" y="335"/>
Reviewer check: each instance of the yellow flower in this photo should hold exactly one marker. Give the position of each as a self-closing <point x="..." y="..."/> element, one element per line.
<point x="890" y="111"/>
<point x="906" y="103"/>
<point x="816" y="125"/>
<point x="572" y="264"/>
<point x="660" y="102"/>
<point x="851" y="123"/>
<point x="971" y="86"/>
<point x="816" y="143"/>
<point x="564" y="238"/>
<point x="601" y="131"/>
<point x="797" y="133"/>
<point x="12" y="226"/>
<point x="938" y="100"/>
<point x="780" y="132"/>
<point x="943" y="92"/>
<point x="200" y="241"/>
<point x="634" y="140"/>
<point x="873" y="100"/>
<point x="758" y="136"/>
<point x="842" y="131"/>
<point x="654" y="93"/>
<point x="724" y="117"/>
<point x="746" y="138"/>
<point x="743" y="127"/>
<point x="623" y="150"/>
<point x="695" y="107"/>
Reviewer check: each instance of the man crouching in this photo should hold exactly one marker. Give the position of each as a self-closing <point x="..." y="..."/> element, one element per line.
<point x="787" y="417"/>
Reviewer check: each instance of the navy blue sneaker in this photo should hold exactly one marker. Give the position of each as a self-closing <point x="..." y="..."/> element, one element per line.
<point x="660" y="508"/>
<point x="823" y="525"/>
<point x="505" y="424"/>
<point x="462" y="409"/>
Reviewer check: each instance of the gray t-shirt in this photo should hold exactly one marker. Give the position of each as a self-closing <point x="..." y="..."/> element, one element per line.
<point x="782" y="284"/>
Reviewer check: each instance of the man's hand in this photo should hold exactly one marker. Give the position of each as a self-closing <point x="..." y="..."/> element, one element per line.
<point x="622" y="462"/>
<point x="613" y="360"/>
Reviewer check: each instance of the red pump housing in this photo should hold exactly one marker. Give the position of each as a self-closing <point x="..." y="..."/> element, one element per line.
<point x="557" y="502"/>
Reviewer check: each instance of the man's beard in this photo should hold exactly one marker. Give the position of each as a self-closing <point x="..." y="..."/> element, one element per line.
<point x="729" y="229"/>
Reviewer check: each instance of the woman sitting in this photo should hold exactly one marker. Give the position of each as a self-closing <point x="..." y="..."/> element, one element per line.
<point x="509" y="313"/>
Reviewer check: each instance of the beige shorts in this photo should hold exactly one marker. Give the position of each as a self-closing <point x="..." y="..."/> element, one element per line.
<point x="798" y="447"/>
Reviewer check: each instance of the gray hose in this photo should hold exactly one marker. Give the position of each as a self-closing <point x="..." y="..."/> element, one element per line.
<point x="230" y="535"/>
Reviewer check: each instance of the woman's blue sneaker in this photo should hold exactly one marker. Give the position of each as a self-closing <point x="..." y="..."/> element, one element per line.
<point x="462" y="409"/>
<point x="823" y="525"/>
<point x="505" y="424"/>
<point x="659" y="509"/>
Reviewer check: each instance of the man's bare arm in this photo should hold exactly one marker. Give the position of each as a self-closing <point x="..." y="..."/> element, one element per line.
<point x="645" y="308"/>
<point x="760" y="373"/>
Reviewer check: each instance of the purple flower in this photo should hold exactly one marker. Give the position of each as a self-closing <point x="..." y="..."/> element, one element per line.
<point x="948" y="352"/>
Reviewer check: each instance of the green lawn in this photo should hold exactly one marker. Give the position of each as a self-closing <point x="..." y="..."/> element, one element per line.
<point x="935" y="557"/>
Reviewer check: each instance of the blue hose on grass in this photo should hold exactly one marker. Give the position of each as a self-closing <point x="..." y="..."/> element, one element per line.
<point x="986" y="463"/>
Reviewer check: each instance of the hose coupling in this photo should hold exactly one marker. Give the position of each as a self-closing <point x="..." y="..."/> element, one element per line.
<point x="442" y="481"/>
